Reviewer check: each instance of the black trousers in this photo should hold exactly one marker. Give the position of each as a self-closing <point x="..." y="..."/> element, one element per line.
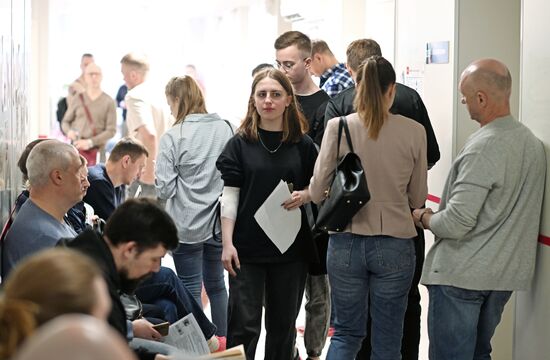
<point x="283" y="284"/>
<point x="411" y="325"/>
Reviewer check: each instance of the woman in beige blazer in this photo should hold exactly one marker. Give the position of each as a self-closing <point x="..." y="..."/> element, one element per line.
<point x="374" y="256"/>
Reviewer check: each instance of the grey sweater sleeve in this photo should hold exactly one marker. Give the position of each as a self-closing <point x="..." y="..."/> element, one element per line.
<point x="474" y="177"/>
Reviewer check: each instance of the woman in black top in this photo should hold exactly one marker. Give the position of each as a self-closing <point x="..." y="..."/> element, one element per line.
<point x="269" y="146"/>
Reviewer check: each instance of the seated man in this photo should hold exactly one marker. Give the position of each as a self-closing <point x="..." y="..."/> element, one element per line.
<point x="56" y="182"/>
<point x="105" y="194"/>
<point x="136" y="237"/>
<point x="125" y="165"/>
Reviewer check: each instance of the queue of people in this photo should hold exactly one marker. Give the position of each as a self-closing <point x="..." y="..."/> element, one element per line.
<point x="199" y="183"/>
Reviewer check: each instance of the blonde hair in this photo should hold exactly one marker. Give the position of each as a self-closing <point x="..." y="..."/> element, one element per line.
<point x="42" y="287"/>
<point x="189" y="95"/>
<point x="137" y="61"/>
<point x="376" y="76"/>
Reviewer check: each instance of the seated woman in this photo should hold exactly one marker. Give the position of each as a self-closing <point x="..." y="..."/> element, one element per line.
<point x="44" y="286"/>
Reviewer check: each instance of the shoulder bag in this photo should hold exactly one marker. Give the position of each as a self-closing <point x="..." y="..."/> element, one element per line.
<point x="348" y="192"/>
<point x="90" y="154"/>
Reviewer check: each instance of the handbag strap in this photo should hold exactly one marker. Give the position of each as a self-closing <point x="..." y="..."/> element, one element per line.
<point x="343" y="125"/>
<point x="88" y="115"/>
<point x="348" y="136"/>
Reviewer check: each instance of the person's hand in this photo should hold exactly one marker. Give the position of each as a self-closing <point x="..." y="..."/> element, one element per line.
<point x="162" y="357"/>
<point x="143" y="329"/>
<point x="418" y="216"/>
<point x="82" y="144"/>
<point x="229" y="255"/>
<point x="297" y="199"/>
<point x="77" y="88"/>
<point x="72" y="135"/>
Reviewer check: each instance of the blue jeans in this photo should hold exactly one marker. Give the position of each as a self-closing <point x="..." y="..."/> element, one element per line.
<point x="462" y="322"/>
<point x="359" y="267"/>
<point x="200" y="262"/>
<point x="165" y="285"/>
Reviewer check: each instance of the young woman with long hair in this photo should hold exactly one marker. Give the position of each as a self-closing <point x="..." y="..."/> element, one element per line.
<point x="374" y="256"/>
<point x="187" y="178"/>
<point x="271" y="145"/>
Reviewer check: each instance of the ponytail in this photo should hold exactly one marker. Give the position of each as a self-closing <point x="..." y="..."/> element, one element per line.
<point x="17" y="323"/>
<point x="376" y="75"/>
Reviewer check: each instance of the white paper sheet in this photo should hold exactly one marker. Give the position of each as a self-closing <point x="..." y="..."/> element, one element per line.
<point x="186" y="335"/>
<point x="280" y="225"/>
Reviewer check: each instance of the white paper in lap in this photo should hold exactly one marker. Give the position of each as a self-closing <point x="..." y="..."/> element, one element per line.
<point x="186" y="335"/>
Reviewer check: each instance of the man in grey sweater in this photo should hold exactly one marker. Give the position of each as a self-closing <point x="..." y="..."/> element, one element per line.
<point x="487" y="225"/>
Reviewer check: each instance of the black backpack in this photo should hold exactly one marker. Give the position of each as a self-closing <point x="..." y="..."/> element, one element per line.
<point x="61" y="110"/>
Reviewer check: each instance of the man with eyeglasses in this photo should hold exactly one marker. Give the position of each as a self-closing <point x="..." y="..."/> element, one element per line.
<point x="57" y="181"/>
<point x="293" y="57"/>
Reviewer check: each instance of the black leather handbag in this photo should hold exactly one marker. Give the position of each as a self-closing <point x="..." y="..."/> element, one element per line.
<point x="348" y="192"/>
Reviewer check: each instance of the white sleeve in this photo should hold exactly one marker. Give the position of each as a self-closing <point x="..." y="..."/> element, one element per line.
<point x="230" y="202"/>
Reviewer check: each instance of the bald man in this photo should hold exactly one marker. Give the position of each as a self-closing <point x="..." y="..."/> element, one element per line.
<point x="75" y="335"/>
<point x="93" y="106"/>
<point x="487" y="225"/>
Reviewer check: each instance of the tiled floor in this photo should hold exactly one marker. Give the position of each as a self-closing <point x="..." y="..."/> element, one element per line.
<point x="167" y="261"/>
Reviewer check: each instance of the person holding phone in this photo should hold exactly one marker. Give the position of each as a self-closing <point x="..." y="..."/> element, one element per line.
<point x="270" y="145"/>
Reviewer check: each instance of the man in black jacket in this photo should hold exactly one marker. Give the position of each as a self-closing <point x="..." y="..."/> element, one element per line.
<point x="136" y="237"/>
<point x="408" y="103"/>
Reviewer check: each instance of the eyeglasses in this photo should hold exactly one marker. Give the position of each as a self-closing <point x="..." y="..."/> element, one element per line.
<point x="286" y="65"/>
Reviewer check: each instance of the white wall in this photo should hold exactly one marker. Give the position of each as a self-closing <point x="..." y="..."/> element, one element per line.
<point x="419" y="22"/>
<point x="14" y="97"/>
<point x="532" y="310"/>
<point x="488" y="28"/>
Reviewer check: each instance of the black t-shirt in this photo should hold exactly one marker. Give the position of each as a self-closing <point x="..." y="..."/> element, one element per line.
<point x="256" y="168"/>
<point x="313" y="107"/>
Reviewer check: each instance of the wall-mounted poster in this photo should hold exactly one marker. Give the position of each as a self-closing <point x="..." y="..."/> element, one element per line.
<point x="437" y="52"/>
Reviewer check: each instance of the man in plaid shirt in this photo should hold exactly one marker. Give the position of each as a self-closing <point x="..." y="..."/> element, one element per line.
<point x="334" y="76"/>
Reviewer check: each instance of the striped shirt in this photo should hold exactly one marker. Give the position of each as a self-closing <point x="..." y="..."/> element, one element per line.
<point x="186" y="174"/>
<point x="336" y="79"/>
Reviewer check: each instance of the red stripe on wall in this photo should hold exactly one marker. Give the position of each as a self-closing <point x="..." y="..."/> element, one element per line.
<point x="545" y="240"/>
<point x="434" y="198"/>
